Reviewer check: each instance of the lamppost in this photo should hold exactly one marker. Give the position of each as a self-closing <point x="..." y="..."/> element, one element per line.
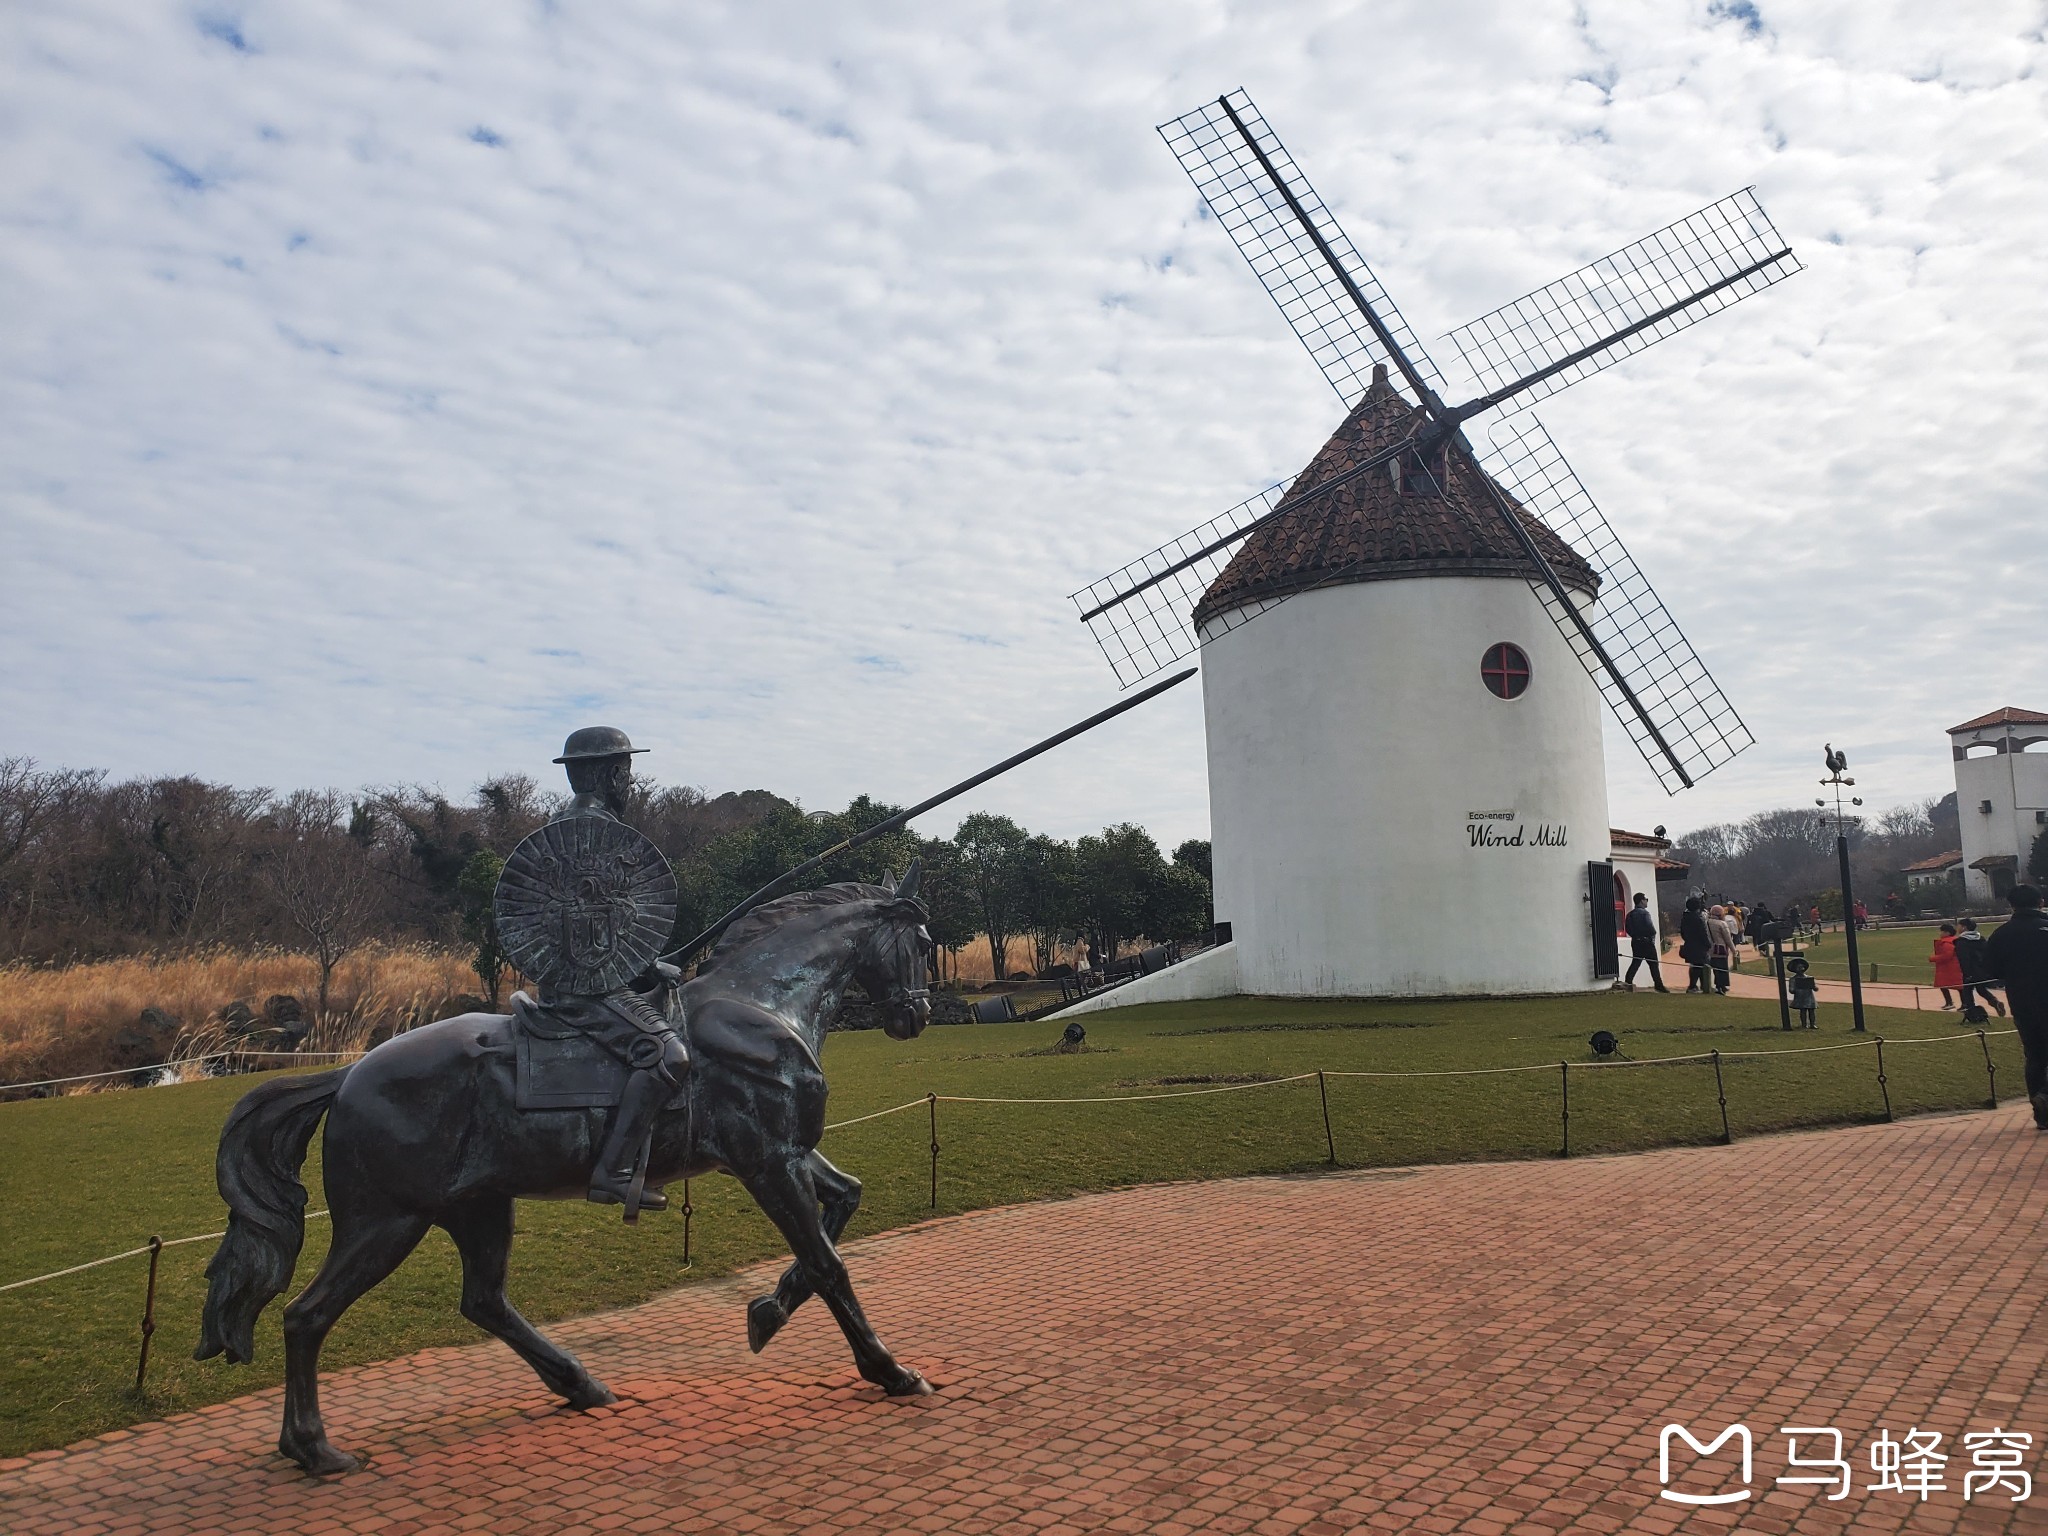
<point x="1839" y="781"/>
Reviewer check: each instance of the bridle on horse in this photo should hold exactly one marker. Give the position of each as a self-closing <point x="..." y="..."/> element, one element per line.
<point x="904" y="949"/>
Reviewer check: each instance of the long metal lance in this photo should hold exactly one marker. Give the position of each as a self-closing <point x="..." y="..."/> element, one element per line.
<point x="896" y="823"/>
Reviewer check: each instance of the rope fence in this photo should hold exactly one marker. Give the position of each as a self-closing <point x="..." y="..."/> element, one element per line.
<point x="184" y="1061"/>
<point x="930" y="1102"/>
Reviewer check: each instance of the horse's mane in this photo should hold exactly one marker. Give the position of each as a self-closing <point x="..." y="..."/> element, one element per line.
<point x="771" y="915"/>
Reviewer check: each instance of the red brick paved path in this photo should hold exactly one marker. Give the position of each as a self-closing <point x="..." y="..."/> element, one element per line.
<point x="1484" y="1348"/>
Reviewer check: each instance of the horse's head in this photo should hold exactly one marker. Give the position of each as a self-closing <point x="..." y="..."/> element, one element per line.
<point x="894" y="962"/>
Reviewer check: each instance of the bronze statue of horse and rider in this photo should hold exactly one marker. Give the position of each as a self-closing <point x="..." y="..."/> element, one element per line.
<point x="618" y="1078"/>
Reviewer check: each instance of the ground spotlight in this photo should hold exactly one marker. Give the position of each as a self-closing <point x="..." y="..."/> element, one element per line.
<point x="1604" y="1043"/>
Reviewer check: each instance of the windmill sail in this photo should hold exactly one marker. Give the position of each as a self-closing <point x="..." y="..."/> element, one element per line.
<point x="1627" y="641"/>
<point x="1682" y="723"/>
<point x="1142" y="615"/>
<point x="1294" y="245"/>
<point x="1613" y="308"/>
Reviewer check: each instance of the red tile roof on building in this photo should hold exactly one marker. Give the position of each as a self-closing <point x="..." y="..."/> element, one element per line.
<point x="1370" y="530"/>
<point x="1939" y="861"/>
<point x="2005" y="716"/>
<point x="1621" y="839"/>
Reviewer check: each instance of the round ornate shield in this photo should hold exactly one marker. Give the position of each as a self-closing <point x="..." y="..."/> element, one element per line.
<point x="584" y="905"/>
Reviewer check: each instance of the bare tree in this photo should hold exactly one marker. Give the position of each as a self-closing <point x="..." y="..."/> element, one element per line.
<point x="320" y="883"/>
<point x="197" y="836"/>
<point x="38" y="806"/>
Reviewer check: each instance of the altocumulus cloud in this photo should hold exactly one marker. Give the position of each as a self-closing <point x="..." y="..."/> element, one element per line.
<point x="388" y="388"/>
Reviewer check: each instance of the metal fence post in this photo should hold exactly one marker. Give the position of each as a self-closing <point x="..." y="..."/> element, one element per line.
<point x="1990" y="1072"/>
<point x="1564" y="1080"/>
<point x="1329" y="1138"/>
<point x="1882" y="1080"/>
<point x="932" y="1103"/>
<point x="156" y="1248"/>
<point x="689" y="1210"/>
<point x="1721" y="1093"/>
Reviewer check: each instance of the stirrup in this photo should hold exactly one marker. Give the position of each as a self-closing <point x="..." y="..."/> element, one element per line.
<point x="610" y="1189"/>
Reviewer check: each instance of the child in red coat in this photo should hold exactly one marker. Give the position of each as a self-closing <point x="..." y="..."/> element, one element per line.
<point x="1948" y="970"/>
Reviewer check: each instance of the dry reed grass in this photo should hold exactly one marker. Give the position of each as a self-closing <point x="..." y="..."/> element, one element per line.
<point x="87" y="1018"/>
<point x="974" y="962"/>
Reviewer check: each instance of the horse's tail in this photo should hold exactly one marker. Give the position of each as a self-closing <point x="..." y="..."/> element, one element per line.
<point x="262" y="1147"/>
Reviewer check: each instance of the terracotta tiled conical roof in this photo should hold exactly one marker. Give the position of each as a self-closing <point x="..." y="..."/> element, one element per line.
<point x="2005" y="716"/>
<point x="1372" y="530"/>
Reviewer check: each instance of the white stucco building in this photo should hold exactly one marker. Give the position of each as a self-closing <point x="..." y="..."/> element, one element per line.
<point x="2001" y="762"/>
<point x="1407" y="790"/>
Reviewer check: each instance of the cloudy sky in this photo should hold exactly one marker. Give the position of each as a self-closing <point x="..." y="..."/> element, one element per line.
<point x="388" y="388"/>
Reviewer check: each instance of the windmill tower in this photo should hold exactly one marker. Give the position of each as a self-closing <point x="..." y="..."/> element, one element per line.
<point x="1407" y="787"/>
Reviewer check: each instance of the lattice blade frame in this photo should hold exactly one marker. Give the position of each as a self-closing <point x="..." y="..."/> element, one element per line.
<point x="1142" y="634"/>
<point x="1254" y="211"/>
<point x="1628" y="618"/>
<point x="1613" y="308"/>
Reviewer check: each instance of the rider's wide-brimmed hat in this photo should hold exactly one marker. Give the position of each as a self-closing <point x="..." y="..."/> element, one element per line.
<point x="597" y="741"/>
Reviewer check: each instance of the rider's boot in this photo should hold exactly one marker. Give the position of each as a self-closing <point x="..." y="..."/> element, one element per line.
<point x="611" y="1181"/>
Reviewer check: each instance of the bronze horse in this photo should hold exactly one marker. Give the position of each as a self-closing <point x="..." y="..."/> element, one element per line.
<point x="424" y="1131"/>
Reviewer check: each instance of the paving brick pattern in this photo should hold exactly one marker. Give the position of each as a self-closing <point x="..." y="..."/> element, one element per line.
<point x="1487" y="1349"/>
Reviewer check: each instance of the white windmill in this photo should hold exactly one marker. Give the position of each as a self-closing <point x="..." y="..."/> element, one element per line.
<point x="1407" y="790"/>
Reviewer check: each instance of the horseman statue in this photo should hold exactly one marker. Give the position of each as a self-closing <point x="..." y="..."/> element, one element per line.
<point x="583" y="907"/>
<point x="587" y="1085"/>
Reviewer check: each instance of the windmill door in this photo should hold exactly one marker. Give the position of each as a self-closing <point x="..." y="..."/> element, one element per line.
<point x="1600" y="907"/>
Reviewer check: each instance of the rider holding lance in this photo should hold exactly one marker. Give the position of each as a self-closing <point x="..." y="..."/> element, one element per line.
<point x="587" y="904"/>
<point x="630" y="1021"/>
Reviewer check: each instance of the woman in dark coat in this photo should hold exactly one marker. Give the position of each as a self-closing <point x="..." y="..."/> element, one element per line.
<point x="1694" y="946"/>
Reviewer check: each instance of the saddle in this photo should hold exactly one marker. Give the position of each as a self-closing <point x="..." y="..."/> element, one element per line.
<point x="562" y="1067"/>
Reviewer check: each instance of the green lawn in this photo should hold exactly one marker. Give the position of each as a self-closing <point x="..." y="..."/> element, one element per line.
<point x="1900" y="954"/>
<point x="94" y="1174"/>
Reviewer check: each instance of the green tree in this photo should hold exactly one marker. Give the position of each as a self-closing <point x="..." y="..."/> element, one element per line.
<point x="732" y="867"/>
<point x="1177" y="904"/>
<point x="1194" y="854"/>
<point x="951" y="919"/>
<point x="1047" y="896"/>
<point x="1115" y="874"/>
<point x="991" y="866"/>
<point x="476" y="886"/>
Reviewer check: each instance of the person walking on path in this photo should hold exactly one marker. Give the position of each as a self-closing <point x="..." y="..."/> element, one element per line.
<point x="1641" y="929"/>
<point x="1974" y="961"/>
<point x="1948" y="971"/>
<point x="2018" y="953"/>
<point x="1759" y="920"/>
<point x="1694" y="946"/>
<point x="1720" y="947"/>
